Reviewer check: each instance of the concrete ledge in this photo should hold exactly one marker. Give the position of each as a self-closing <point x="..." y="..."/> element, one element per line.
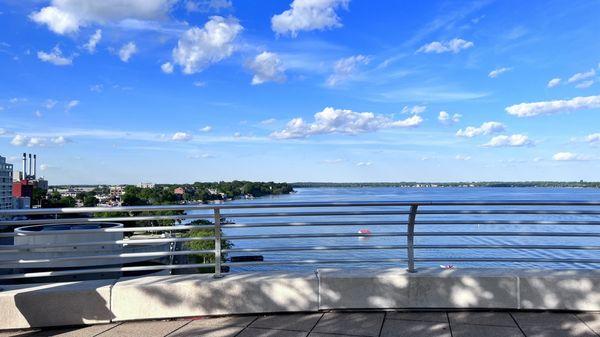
<point x="56" y="304"/>
<point x="195" y="295"/>
<point x="428" y="288"/>
<point x="559" y="290"/>
<point x="154" y="297"/>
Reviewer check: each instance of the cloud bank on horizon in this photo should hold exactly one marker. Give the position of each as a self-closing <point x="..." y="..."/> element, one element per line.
<point x="113" y="91"/>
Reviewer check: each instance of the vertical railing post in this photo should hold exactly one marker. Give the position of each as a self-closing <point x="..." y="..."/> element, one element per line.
<point x="410" y="238"/>
<point x="217" y="243"/>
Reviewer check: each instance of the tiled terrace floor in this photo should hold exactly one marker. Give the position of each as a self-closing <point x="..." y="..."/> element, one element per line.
<point x="340" y="324"/>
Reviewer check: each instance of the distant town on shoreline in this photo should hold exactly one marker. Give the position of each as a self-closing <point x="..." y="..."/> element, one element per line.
<point x="554" y="184"/>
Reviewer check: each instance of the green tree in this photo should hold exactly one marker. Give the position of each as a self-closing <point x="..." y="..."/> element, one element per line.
<point x="90" y="201"/>
<point x="204" y="244"/>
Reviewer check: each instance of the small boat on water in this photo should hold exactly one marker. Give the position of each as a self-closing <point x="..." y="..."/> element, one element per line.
<point x="364" y="231"/>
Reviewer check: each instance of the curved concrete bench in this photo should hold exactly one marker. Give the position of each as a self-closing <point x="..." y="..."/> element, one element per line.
<point x="89" y="302"/>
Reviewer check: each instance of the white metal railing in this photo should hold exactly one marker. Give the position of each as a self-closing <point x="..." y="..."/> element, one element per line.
<point x="108" y="247"/>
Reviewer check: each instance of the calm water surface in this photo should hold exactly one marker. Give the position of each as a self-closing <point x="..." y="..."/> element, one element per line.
<point x="423" y="194"/>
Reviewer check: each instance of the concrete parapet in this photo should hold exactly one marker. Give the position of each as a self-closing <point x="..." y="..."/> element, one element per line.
<point x="195" y="295"/>
<point x="427" y="288"/>
<point x="152" y="297"/>
<point x="55" y="304"/>
<point x="559" y="290"/>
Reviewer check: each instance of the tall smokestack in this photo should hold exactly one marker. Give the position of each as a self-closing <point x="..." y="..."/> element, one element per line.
<point x="34" y="165"/>
<point x="29" y="164"/>
<point x="24" y="165"/>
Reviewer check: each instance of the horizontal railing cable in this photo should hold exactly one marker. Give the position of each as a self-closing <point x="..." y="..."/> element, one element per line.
<point x="405" y="232"/>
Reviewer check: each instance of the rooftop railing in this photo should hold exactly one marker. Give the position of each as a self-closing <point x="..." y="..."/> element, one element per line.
<point x="71" y="242"/>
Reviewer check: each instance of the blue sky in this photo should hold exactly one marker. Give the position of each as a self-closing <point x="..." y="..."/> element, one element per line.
<point x="306" y="90"/>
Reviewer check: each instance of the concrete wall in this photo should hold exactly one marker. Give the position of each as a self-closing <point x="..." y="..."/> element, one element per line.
<point x="196" y="295"/>
<point x="89" y="302"/>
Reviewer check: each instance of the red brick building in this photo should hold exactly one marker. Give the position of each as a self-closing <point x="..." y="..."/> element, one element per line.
<point x="21" y="189"/>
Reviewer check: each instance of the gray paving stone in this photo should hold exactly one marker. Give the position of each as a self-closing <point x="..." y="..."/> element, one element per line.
<point x="299" y="322"/>
<point x="482" y="318"/>
<point x="86" y="331"/>
<point x="434" y="316"/>
<point x="575" y="331"/>
<point x="355" y="324"/>
<point x="214" y="327"/>
<point x="592" y="320"/>
<point x="546" y="319"/>
<point x="207" y="331"/>
<point x="400" y="328"/>
<point x="144" y="329"/>
<point x="255" y="332"/>
<point x="469" y="330"/>
<point x="318" y="334"/>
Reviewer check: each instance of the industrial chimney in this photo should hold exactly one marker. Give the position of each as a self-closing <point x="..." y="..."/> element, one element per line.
<point x="29" y="164"/>
<point x="34" y="165"/>
<point x="24" y="165"/>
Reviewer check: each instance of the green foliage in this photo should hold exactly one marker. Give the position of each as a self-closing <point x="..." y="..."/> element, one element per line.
<point x="38" y="195"/>
<point x="56" y="201"/>
<point x="90" y="201"/>
<point x="204" y="244"/>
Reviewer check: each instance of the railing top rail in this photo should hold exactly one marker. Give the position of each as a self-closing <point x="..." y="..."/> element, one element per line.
<point x="233" y="205"/>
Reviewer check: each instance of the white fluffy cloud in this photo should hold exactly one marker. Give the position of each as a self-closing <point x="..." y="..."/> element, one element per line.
<point x="569" y="156"/>
<point x="342" y="121"/>
<point x="593" y="138"/>
<point x="497" y="72"/>
<point x="462" y="157"/>
<point x="453" y="46"/>
<point x="181" y="137"/>
<point x="55" y="57"/>
<point x="446" y="118"/>
<point x="415" y="110"/>
<point x="485" y="129"/>
<point x="93" y="41"/>
<point x="71" y="104"/>
<point x="554" y="82"/>
<point x="127" y="51"/>
<point x="22" y="140"/>
<point x="267" y="67"/>
<point x="582" y="76"/>
<point x="200" y="47"/>
<point x="344" y="68"/>
<point x="584" y="84"/>
<point x="510" y="141"/>
<point x="305" y="15"/>
<point x="167" y="68"/>
<point x="204" y="6"/>
<point x="50" y="103"/>
<point x="552" y="107"/>
<point x="207" y="128"/>
<point x="364" y="163"/>
<point x="67" y="16"/>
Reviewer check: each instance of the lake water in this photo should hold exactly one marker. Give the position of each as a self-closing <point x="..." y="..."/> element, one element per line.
<point x="424" y="194"/>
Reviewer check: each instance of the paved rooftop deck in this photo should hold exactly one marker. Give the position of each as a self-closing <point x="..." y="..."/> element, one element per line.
<point x="340" y="324"/>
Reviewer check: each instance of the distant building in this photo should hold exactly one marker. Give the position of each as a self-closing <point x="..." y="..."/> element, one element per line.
<point x="6" y="178"/>
<point x="22" y="203"/>
<point x="117" y="190"/>
<point x="22" y="189"/>
<point x="146" y="185"/>
<point x="41" y="183"/>
<point x="179" y="191"/>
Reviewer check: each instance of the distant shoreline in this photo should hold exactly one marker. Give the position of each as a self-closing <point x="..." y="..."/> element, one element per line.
<point x="541" y="184"/>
